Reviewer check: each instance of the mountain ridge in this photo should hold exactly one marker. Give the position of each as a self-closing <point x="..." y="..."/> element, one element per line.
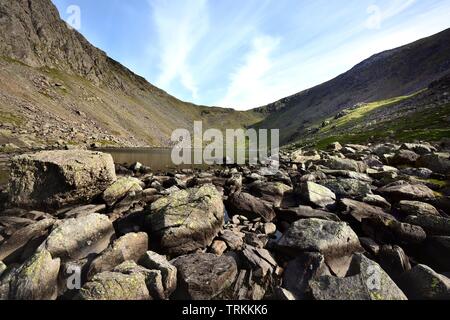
<point x="408" y="68"/>
<point x="86" y="97"/>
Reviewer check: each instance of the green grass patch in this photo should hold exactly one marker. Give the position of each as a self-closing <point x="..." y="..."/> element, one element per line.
<point x="7" y="117"/>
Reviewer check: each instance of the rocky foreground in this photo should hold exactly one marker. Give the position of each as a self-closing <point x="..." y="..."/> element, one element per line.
<point x="354" y="222"/>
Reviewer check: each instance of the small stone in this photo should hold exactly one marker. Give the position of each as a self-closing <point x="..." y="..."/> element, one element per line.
<point x="218" y="247"/>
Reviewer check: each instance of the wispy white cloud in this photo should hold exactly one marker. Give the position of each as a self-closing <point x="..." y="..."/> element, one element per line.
<point x="247" y="85"/>
<point x="378" y="14"/>
<point x="180" y="25"/>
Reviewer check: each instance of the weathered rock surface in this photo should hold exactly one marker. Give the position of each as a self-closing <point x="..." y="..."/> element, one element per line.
<point x="204" y="276"/>
<point x="348" y="187"/>
<point x="57" y="178"/>
<point x="77" y="238"/>
<point x="130" y="247"/>
<point x="316" y="194"/>
<point x="245" y="204"/>
<point x="331" y="239"/>
<point x="13" y="247"/>
<point x="433" y="225"/>
<point x="388" y="230"/>
<point x="423" y="283"/>
<point x="115" y="286"/>
<point x="300" y="271"/>
<point x="304" y="212"/>
<point x="405" y="191"/>
<point x="417" y="208"/>
<point x="336" y="163"/>
<point x="152" y="260"/>
<point x="36" y="279"/>
<point x="360" y="284"/>
<point x="120" y="189"/>
<point x="187" y="220"/>
<point x="439" y="163"/>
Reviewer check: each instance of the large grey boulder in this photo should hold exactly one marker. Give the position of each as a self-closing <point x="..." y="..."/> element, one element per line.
<point x="204" y="276"/>
<point x="360" y="210"/>
<point x="186" y="220"/>
<point x="423" y="283"/>
<point x="77" y="238"/>
<point x="36" y="279"/>
<point x="58" y="178"/>
<point x="336" y="241"/>
<point x="115" y="286"/>
<point x="365" y="280"/>
<point x="388" y="230"/>
<point x="130" y="247"/>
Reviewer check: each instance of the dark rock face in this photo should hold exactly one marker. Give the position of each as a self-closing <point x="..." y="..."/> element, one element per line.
<point x="57" y="178"/>
<point x="358" y="284"/>
<point x="33" y="33"/>
<point x="250" y="206"/>
<point x="187" y="220"/>
<point x="204" y="276"/>
<point x="423" y="283"/>
<point x="300" y="271"/>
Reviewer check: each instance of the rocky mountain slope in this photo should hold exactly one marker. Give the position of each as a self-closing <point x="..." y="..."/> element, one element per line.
<point x="56" y="86"/>
<point x="424" y="115"/>
<point x="398" y="72"/>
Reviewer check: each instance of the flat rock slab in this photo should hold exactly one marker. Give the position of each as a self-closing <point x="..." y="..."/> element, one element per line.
<point x="115" y="286"/>
<point x="186" y="220"/>
<point x="242" y="203"/>
<point x="405" y="191"/>
<point x="332" y="239"/>
<point x="204" y="276"/>
<point x="77" y="238"/>
<point x="59" y="178"/>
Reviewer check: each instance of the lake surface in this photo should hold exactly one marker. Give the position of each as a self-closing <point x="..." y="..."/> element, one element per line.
<point x="158" y="159"/>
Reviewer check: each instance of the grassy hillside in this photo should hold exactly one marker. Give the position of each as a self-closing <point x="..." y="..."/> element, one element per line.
<point x="424" y="115"/>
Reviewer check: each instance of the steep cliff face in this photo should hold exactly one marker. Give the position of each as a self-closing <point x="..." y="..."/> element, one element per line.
<point x="57" y="86"/>
<point x="393" y="73"/>
<point x="34" y="34"/>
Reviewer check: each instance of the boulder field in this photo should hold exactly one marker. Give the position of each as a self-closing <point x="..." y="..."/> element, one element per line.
<point x="353" y="222"/>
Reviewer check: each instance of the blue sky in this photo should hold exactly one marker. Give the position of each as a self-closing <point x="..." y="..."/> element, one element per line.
<point x="247" y="53"/>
